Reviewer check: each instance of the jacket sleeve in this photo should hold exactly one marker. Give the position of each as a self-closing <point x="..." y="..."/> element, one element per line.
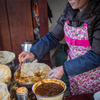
<point x="82" y="64"/>
<point x="44" y="45"/>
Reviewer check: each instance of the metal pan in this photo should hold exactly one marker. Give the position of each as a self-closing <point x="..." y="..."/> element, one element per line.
<point x="27" y="85"/>
<point x="24" y="84"/>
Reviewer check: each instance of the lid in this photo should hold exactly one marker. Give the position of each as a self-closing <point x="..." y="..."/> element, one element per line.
<point x="21" y="90"/>
<point x="29" y="41"/>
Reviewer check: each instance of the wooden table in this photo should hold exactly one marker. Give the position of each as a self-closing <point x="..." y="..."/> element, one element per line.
<point x="80" y="97"/>
<point x="14" y="85"/>
<point x="32" y="96"/>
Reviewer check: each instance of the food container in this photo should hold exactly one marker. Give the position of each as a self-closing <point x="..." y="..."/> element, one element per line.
<point x="56" y="97"/>
<point x="97" y="96"/>
<point x="22" y="93"/>
<point x="31" y="73"/>
<point x="26" y="47"/>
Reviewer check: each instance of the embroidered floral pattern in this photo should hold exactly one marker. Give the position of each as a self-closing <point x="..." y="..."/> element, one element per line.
<point x="87" y="82"/>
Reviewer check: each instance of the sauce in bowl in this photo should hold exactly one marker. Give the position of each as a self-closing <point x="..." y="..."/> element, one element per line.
<point x="49" y="89"/>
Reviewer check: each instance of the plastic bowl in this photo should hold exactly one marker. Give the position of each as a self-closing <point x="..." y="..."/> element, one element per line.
<point x="56" y="97"/>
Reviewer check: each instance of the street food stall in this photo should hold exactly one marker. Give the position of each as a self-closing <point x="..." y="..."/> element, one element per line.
<point x="8" y="72"/>
<point x="15" y="28"/>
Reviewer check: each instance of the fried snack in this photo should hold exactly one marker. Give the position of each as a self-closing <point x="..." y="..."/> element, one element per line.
<point x="6" y="57"/>
<point x="33" y="72"/>
<point x="5" y="73"/>
<point x="4" y="94"/>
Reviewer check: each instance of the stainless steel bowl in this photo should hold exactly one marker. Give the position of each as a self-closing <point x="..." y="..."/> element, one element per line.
<point x="27" y="85"/>
<point x="8" y="84"/>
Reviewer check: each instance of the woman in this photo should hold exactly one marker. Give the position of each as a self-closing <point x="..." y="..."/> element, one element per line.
<point x="80" y="25"/>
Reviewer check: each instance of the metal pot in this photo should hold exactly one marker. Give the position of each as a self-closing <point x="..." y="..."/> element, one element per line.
<point x="26" y="47"/>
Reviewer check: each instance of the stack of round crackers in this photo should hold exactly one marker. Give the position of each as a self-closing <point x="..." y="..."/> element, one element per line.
<point x="6" y="57"/>
<point x="4" y="93"/>
<point x="33" y="72"/>
<point x="5" y="73"/>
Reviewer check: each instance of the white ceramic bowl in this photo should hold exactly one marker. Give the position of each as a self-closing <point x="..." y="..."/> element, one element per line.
<point x="56" y="97"/>
<point x="97" y="96"/>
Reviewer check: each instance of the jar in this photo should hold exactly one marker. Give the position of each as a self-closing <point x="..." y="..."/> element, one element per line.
<point x="22" y="93"/>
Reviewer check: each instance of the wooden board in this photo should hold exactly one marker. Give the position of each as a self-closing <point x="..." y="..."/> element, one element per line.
<point x="43" y="16"/>
<point x="20" y="23"/>
<point x="5" y="39"/>
<point x="16" y="24"/>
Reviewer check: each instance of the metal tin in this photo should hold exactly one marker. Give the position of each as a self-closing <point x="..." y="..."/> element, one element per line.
<point x="23" y="95"/>
<point x="27" y="45"/>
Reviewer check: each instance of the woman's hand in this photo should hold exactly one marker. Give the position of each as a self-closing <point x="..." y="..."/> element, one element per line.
<point x="56" y="73"/>
<point x="27" y="55"/>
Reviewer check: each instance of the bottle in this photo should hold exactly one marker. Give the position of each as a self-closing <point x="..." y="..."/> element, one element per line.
<point x="22" y="93"/>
